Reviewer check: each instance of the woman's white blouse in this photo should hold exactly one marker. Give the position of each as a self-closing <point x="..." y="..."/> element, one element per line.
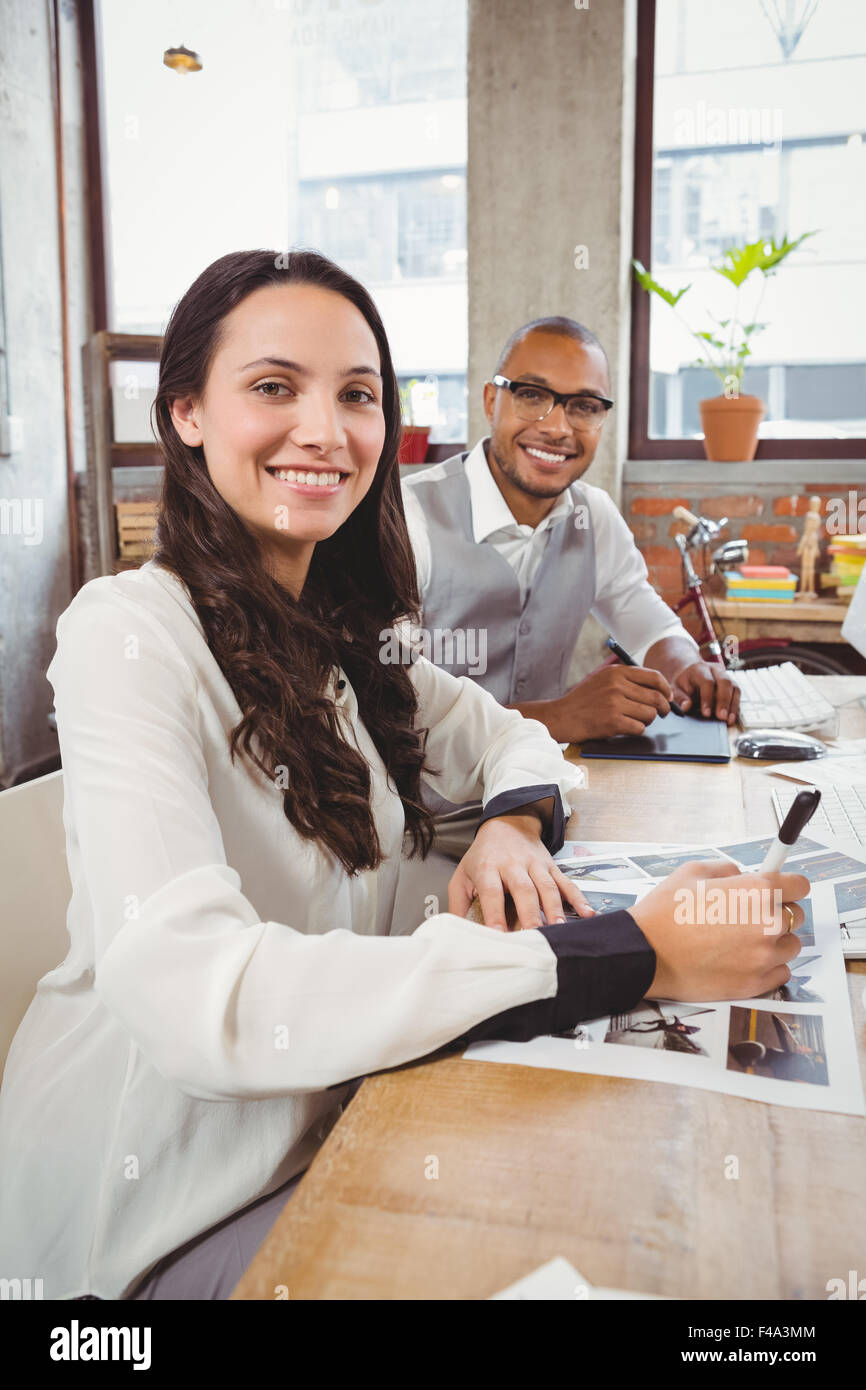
<point x="223" y="972"/>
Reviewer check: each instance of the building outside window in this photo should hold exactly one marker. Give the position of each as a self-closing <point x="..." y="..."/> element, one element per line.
<point x="354" y="144"/>
<point x="760" y="131"/>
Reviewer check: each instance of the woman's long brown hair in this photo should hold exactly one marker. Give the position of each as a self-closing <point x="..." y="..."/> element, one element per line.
<point x="276" y="652"/>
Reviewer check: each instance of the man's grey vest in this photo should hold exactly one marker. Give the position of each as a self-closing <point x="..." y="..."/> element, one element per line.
<point x="474" y="594"/>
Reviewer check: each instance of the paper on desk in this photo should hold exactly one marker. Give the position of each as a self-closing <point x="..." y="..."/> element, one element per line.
<point x="837" y="769"/>
<point x="557" y="1280"/>
<point x="844" y="746"/>
<point x="795" y="1047"/>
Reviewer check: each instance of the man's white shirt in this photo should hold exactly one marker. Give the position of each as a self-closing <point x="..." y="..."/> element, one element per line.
<point x="625" y="602"/>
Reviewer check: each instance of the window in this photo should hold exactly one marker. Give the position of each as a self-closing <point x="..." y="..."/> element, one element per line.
<point x="403" y="226"/>
<point x="335" y="124"/>
<point x="751" y="125"/>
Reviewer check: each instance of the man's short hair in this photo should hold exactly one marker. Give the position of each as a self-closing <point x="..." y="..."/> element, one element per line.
<point x="555" y="324"/>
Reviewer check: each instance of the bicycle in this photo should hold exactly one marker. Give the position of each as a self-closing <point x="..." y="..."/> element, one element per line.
<point x="734" y="655"/>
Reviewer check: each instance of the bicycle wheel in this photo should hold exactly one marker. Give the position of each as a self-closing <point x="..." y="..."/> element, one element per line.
<point x="810" y="663"/>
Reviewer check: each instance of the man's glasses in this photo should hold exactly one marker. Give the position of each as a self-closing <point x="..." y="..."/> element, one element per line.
<point x="533" y="402"/>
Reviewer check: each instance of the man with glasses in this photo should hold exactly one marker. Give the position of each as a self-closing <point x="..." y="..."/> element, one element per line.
<point x="510" y="544"/>
<point x="513" y="554"/>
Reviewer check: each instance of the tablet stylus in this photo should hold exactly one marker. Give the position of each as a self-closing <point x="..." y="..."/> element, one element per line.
<point x="630" y="661"/>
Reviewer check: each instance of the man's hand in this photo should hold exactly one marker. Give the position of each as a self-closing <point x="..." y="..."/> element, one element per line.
<point x="507" y="856"/>
<point x="614" y="700"/>
<point x="708" y="687"/>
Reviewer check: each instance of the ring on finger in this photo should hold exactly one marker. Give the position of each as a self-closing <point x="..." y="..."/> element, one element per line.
<point x="786" y="907"/>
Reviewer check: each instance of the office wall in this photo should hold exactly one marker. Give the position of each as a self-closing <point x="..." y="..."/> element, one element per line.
<point x="551" y="135"/>
<point x="765" y="502"/>
<point x="35" y="582"/>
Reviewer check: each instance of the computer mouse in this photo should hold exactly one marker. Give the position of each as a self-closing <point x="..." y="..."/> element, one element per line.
<point x="778" y="745"/>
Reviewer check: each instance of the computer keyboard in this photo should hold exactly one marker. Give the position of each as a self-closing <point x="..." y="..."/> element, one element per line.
<point x="841" y="811"/>
<point x="841" y="814"/>
<point x="780" y="697"/>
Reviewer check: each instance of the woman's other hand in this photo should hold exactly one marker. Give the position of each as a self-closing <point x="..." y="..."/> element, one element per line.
<point x="507" y="856"/>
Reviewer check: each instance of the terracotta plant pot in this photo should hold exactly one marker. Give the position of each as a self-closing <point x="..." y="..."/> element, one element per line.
<point x="730" y="427"/>
<point x="413" y="446"/>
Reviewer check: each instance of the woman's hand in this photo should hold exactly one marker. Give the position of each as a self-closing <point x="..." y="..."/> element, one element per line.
<point x="507" y="856"/>
<point x="727" y="937"/>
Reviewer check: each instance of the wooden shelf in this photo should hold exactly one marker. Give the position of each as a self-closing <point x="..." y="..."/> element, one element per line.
<point x="104" y="452"/>
<point x="805" y="610"/>
<point x="809" y="620"/>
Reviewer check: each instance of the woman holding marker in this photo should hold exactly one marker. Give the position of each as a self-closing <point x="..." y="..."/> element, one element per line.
<point x="239" y="766"/>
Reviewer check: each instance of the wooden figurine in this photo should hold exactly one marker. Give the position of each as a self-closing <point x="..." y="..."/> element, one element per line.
<point x="809" y="549"/>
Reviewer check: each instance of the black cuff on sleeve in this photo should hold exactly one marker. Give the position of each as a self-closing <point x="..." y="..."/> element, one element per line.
<point x="552" y="836"/>
<point x="604" y="965"/>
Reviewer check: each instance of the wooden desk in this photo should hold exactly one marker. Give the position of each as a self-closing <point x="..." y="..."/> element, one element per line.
<point x="812" y="620"/>
<point x="624" y="1178"/>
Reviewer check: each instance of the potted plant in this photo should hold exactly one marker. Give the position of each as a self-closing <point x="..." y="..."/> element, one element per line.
<point x="730" y="420"/>
<point x="413" y="446"/>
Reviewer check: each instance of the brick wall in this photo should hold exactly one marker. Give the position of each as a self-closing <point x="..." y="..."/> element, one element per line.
<point x="767" y="513"/>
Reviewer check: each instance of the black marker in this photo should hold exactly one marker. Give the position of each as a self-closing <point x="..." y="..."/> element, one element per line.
<point x="803" y="808"/>
<point x="630" y="661"/>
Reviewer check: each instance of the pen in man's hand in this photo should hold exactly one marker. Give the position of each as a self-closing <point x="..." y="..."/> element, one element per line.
<point x="630" y="661"/>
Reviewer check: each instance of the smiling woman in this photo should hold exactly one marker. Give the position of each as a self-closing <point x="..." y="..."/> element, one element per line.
<point x="314" y="426"/>
<point x="258" y="403"/>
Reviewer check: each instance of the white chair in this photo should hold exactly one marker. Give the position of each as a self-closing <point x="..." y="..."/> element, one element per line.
<point x="35" y="889"/>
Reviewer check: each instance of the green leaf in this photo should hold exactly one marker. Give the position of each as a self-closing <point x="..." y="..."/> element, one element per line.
<point x="749" y="328"/>
<point x="762" y="255"/>
<point x="708" y="338"/>
<point x="652" y="286"/>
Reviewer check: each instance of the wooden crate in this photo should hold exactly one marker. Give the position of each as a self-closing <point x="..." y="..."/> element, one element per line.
<point x="136" y="526"/>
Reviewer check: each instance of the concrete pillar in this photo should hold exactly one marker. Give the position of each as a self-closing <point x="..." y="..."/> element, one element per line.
<point x="550" y="169"/>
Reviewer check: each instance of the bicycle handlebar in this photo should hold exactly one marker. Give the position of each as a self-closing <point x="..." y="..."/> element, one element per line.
<point x="683" y="514"/>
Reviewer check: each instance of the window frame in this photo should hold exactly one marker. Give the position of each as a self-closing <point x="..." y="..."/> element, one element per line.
<point x="640" y="444"/>
<point x="91" y="96"/>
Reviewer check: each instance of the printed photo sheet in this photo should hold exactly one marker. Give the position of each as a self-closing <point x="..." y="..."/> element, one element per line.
<point x="793" y="1047"/>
